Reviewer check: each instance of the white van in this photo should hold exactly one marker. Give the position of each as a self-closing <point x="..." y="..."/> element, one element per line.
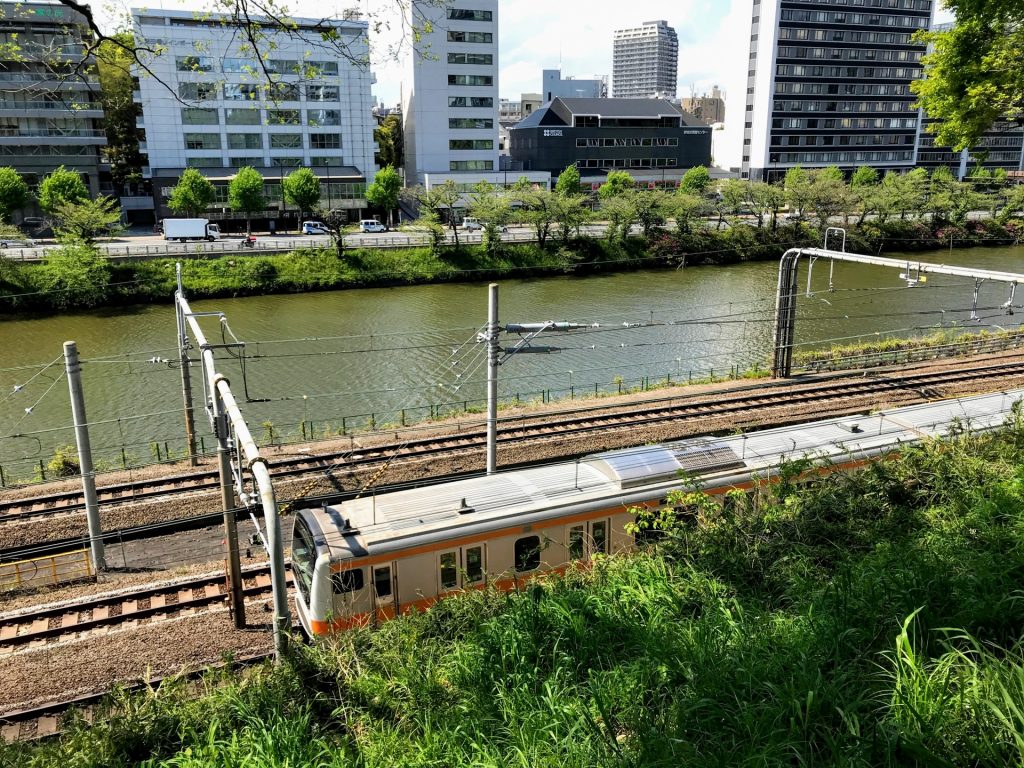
<point x="470" y="223"/>
<point x="314" y="228"/>
<point x="371" y="225"/>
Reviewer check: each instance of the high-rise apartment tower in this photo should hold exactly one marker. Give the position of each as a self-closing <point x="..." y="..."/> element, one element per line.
<point x="645" y="62"/>
<point x="829" y="84"/>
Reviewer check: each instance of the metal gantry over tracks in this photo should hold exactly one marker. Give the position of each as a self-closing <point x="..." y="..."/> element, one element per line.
<point x="914" y="272"/>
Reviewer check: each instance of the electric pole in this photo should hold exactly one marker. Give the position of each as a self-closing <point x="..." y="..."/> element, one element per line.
<point x="227" y="498"/>
<point x="186" y="378"/>
<point x="92" y="508"/>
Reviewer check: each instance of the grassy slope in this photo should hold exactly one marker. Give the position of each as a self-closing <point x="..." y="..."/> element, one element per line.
<point x="869" y="620"/>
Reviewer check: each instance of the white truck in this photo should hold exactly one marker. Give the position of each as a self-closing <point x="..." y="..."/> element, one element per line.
<point x="190" y="229"/>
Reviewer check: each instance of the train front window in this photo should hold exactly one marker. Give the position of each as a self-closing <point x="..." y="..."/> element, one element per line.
<point x="303" y="555"/>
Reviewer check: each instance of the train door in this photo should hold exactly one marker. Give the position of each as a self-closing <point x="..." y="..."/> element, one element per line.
<point x="461" y="568"/>
<point x="385" y="591"/>
<point x="587" y="538"/>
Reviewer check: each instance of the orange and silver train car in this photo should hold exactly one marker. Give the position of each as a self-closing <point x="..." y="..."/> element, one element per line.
<point x="366" y="560"/>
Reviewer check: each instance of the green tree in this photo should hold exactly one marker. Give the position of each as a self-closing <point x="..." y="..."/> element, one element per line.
<point x="695" y="181"/>
<point x="568" y="182"/>
<point x="1014" y="204"/>
<point x="75" y="275"/>
<point x="652" y="207"/>
<point x="686" y="209"/>
<point x="536" y="208"/>
<point x="60" y="188"/>
<point x="974" y="75"/>
<point x="439" y="203"/>
<point x="14" y="193"/>
<point x="383" y="192"/>
<point x="616" y="183"/>
<point x="120" y="110"/>
<point x="765" y="200"/>
<point x="732" y="198"/>
<point x="491" y="206"/>
<point x="797" y="186"/>
<point x="246" y="194"/>
<point x="388" y="136"/>
<point x="302" y="189"/>
<point x="864" y="176"/>
<point x="571" y="213"/>
<point x="85" y="221"/>
<point x="192" y="194"/>
<point x="620" y="213"/>
<point x="829" y="195"/>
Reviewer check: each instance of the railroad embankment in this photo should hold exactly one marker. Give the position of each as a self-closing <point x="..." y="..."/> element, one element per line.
<point x="864" y="619"/>
<point x="77" y="277"/>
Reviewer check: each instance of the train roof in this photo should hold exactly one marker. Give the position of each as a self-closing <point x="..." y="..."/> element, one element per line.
<point x="396" y="520"/>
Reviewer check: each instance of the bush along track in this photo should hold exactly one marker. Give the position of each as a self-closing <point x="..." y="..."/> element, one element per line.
<point x="75" y="278"/>
<point x="869" y="619"/>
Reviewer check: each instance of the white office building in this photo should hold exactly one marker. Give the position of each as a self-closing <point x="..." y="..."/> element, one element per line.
<point x="209" y="105"/>
<point x="645" y="62"/>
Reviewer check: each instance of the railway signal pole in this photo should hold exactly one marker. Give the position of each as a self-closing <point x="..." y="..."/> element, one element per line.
<point x="496" y="356"/>
<point x="92" y="508"/>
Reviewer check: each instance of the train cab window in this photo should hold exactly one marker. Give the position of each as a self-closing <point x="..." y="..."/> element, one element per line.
<point x="527" y="552"/>
<point x="599" y="533"/>
<point x="382" y="581"/>
<point x="348" y="581"/>
<point x="449" y="571"/>
<point x="577" y="537"/>
<point x="474" y="564"/>
<point x="303" y="555"/>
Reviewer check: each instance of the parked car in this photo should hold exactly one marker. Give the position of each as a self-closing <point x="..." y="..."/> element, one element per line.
<point x="371" y="225"/>
<point x="25" y="242"/>
<point x="471" y="224"/>
<point x="314" y="228"/>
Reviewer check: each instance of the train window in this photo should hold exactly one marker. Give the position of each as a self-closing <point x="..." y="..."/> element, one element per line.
<point x="449" y="571"/>
<point x="577" y="537"/>
<point x="303" y="555"/>
<point x="474" y="564"/>
<point x="527" y="551"/>
<point x="382" y="581"/>
<point x="348" y="581"/>
<point x="599" y="533"/>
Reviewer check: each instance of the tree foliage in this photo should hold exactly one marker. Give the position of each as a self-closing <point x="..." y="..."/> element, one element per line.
<point x="535" y="207"/>
<point x="84" y="222"/>
<point x="60" y="188"/>
<point x="568" y="182"/>
<point x="389" y="138"/>
<point x="384" y="190"/>
<point x="246" y="195"/>
<point x="617" y="183"/>
<point x="192" y="194"/>
<point x="120" y="110"/>
<point x="302" y="189"/>
<point x="695" y="181"/>
<point x="439" y="204"/>
<point x="76" y="275"/>
<point x="14" y="193"/>
<point x="974" y="76"/>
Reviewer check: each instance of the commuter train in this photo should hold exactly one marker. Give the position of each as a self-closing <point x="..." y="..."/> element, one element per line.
<point x="366" y="560"/>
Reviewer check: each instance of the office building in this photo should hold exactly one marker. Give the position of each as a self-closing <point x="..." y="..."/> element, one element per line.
<point x="709" y="108"/>
<point x="829" y="84"/>
<point x="50" y="114"/>
<point x="211" y="106"/>
<point x="554" y="86"/>
<point x="450" y="90"/>
<point x="650" y="138"/>
<point x="645" y="62"/>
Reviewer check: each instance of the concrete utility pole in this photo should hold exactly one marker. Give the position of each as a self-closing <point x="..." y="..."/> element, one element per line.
<point x="92" y="508"/>
<point x="496" y="356"/>
<point x="914" y="272"/>
<point x="186" y="377"/>
<point x="227" y="498"/>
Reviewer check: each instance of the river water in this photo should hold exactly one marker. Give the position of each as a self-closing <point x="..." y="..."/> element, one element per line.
<point x="329" y="360"/>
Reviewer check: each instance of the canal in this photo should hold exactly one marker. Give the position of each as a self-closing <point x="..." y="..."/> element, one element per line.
<point x="345" y="359"/>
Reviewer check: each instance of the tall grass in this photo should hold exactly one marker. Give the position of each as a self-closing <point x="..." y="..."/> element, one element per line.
<point x="871" y="619"/>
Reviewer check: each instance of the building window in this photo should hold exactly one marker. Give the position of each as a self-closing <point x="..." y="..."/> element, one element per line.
<point x="471" y="165"/>
<point x="283" y="67"/>
<point x="286" y="141"/>
<point x="195" y="116"/>
<point x="470" y="80"/>
<point x="319" y="117"/>
<point x="325" y="141"/>
<point x="203" y="162"/>
<point x="466" y="144"/>
<point x="483" y="59"/>
<point x="470" y="37"/>
<point x="322" y="93"/>
<point x="245" y="162"/>
<point x="243" y="116"/>
<point x="283" y="117"/>
<point x="195" y="64"/>
<point x="463" y="123"/>
<point x="324" y="162"/>
<point x="471" y="101"/>
<point x="241" y="92"/>
<point x="283" y="92"/>
<point x="286" y="162"/>
<point x="197" y="91"/>
<point x="202" y="141"/>
<point x="465" y="14"/>
<point x="245" y="141"/>
<point x="235" y="66"/>
<point x="527" y="554"/>
<point x="314" y="68"/>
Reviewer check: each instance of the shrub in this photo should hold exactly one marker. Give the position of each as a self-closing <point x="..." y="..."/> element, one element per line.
<point x="74" y="276"/>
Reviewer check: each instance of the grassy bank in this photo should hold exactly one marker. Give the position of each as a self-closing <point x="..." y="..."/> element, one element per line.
<point x="868" y="620"/>
<point x="942" y="343"/>
<point x="76" y="278"/>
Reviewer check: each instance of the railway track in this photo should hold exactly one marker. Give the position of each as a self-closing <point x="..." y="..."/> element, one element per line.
<point x="39" y="626"/>
<point x="536" y="427"/>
